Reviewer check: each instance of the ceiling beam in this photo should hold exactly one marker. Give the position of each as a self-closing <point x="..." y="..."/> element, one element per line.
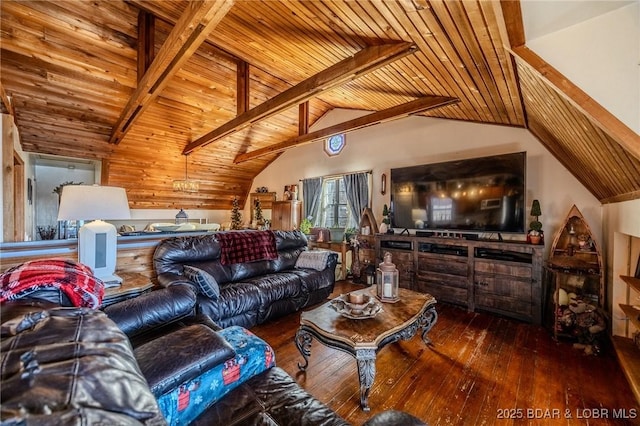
<point x="193" y="27"/>
<point x="242" y="87"/>
<point x="146" y="42"/>
<point x="598" y="115"/>
<point x="303" y="118"/>
<point x="363" y="62"/>
<point x="6" y="101"/>
<point x="419" y="105"/>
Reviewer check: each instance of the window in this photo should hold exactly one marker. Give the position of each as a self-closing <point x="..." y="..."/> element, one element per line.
<point x="334" y="144"/>
<point x="334" y="210"/>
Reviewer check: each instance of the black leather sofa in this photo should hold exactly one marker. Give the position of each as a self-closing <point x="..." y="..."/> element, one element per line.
<point x="69" y="365"/>
<point x="246" y="293"/>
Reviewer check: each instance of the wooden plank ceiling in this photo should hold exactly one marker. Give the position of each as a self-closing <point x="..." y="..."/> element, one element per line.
<point x="70" y="71"/>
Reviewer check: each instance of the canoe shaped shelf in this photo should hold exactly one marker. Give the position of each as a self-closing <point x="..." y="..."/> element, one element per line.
<point x="574" y="248"/>
<point x="575" y="264"/>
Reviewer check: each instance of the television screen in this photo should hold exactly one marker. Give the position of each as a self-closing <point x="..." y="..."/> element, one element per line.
<point x="484" y="194"/>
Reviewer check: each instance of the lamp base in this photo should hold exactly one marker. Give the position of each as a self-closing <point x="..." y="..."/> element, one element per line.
<point x="97" y="249"/>
<point x="112" y="280"/>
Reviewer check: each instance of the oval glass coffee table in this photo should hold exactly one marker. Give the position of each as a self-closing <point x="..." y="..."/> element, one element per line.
<point x="363" y="338"/>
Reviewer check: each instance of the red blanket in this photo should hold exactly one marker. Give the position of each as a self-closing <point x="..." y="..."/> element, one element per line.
<point x="246" y="246"/>
<point x="74" y="279"/>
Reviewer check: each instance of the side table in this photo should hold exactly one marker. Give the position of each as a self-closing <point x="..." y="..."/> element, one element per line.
<point x="339" y="247"/>
<point x="133" y="285"/>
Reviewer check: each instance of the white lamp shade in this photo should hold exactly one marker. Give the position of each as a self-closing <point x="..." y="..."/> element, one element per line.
<point x="90" y="202"/>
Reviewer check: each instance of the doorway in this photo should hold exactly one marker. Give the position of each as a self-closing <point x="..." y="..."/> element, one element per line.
<point x="18" y="198"/>
<point x="52" y="173"/>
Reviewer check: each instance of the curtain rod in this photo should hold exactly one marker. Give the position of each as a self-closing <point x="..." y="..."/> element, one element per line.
<point x="335" y="175"/>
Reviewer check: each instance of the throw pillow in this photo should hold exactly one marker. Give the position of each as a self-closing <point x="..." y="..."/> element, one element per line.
<point x="204" y="280"/>
<point x="314" y="259"/>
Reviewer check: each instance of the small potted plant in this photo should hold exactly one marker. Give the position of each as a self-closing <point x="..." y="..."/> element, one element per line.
<point x="384" y="226"/>
<point x="535" y="234"/>
<point x="305" y="225"/>
<point x="349" y="233"/>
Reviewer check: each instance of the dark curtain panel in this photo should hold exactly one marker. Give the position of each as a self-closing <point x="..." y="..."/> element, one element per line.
<point x="356" y="187"/>
<point x="311" y="194"/>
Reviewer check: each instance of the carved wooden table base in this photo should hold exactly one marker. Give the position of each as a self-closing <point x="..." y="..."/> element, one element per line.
<point x="364" y="338"/>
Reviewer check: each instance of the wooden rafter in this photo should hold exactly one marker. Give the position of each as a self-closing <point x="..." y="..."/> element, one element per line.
<point x="190" y="31"/>
<point x="146" y="42"/>
<point x="599" y="116"/>
<point x="242" y="91"/>
<point x="6" y="101"/>
<point x="393" y="113"/>
<point x="303" y="118"/>
<point x="363" y="62"/>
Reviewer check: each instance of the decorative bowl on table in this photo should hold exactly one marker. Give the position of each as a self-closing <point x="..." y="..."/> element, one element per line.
<point x="164" y="227"/>
<point x="356" y="305"/>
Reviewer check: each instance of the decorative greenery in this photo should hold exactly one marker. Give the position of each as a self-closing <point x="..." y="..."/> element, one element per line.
<point x="349" y="233"/>
<point x="536" y="225"/>
<point x="258" y="213"/>
<point x="305" y="225"/>
<point x="236" y="216"/>
<point x="385" y="215"/>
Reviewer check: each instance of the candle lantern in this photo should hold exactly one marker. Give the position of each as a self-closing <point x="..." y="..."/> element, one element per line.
<point x="387" y="280"/>
<point x="370" y="273"/>
<point x="182" y="217"/>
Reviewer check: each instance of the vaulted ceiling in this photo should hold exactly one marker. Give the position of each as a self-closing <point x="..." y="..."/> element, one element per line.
<point x="137" y="84"/>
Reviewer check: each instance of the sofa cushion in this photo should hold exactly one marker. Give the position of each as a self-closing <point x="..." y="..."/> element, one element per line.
<point x="170" y="360"/>
<point x="77" y="364"/>
<point x="205" y="282"/>
<point x="235" y="299"/>
<point x="154" y="309"/>
<point x="314" y="259"/>
<point x="274" y="287"/>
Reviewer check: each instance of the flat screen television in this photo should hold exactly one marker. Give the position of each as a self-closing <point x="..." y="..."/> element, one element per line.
<point x="485" y="194"/>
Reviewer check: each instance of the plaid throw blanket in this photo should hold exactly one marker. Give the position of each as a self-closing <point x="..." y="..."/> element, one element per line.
<point x="74" y="279"/>
<point x="246" y="246"/>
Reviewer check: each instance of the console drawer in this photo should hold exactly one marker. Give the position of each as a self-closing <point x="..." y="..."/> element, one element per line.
<point x="509" y="269"/>
<point x="443" y="293"/>
<point x="451" y="265"/>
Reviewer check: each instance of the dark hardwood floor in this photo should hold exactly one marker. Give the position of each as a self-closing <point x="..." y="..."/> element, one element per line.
<point x="482" y="369"/>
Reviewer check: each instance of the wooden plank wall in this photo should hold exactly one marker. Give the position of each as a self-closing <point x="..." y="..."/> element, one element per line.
<point x="133" y="255"/>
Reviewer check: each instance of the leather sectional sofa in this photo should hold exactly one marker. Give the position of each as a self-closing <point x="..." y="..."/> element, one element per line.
<point x="146" y="361"/>
<point x="245" y="293"/>
<point x="159" y="358"/>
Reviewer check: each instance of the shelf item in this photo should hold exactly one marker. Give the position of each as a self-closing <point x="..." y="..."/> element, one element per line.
<point x="627" y="353"/>
<point x="574" y="268"/>
<point x="632" y="282"/>
<point x="632" y="313"/>
<point x="500" y="277"/>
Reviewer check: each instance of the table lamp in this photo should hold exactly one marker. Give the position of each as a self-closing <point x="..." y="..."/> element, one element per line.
<point x="97" y="239"/>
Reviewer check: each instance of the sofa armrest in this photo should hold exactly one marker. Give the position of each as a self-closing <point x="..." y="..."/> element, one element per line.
<point x="167" y="279"/>
<point x="153" y="310"/>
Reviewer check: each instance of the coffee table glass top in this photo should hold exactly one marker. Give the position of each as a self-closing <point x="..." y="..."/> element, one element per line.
<point x="369" y="332"/>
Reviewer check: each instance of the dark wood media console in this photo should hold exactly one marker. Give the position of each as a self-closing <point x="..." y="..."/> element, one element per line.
<point x="504" y="277"/>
